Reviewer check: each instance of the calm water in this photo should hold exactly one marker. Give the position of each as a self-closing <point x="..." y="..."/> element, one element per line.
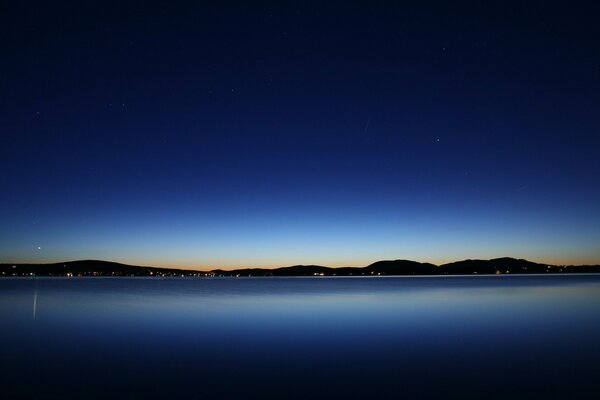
<point x="406" y="337"/>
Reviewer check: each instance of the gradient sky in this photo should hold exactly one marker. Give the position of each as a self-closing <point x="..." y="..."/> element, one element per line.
<point x="238" y="135"/>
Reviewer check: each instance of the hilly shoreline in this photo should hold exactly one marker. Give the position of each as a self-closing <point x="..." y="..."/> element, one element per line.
<point x="505" y="265"/>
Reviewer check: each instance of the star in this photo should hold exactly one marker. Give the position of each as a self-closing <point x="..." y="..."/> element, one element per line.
<point x="39" y="247"/>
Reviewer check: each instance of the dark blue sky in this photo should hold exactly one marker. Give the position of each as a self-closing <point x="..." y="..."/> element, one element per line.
<point x="235" y="135"/>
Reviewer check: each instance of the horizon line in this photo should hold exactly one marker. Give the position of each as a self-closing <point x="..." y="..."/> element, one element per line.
<point x="226" y="269"/>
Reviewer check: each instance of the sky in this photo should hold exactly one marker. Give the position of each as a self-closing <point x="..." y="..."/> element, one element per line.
<point x="253" y="134"/>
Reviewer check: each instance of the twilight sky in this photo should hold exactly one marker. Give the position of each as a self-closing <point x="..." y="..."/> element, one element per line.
<point x="237" y="135"/>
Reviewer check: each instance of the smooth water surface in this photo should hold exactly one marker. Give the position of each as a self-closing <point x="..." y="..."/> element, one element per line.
<point x="402" y="337"/>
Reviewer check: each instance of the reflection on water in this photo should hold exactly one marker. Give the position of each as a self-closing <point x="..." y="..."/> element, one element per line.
<point x="34" y="300"/>
<point x="414" y="337"/>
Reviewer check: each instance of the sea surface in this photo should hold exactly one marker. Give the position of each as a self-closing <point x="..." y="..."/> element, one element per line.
<point x="475" y="337"/>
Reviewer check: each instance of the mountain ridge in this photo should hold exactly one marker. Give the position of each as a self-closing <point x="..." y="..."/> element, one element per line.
<point x="400" y="267"/>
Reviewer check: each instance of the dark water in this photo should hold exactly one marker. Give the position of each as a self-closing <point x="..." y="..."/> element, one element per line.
<point x="407" y="337"/>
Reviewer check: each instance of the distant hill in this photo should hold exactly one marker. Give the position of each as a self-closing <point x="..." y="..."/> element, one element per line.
<point x="402" y="267"/>
<point x="89" y="268"/>
<point x="496" y="265"/>
<point x="302" y="270"/>
<point x="504" y="265"/>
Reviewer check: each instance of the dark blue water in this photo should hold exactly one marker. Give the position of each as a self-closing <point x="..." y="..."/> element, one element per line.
<point x="406" y="337"/>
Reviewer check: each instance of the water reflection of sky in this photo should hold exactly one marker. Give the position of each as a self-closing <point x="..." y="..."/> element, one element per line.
<point x="359" y="328"/>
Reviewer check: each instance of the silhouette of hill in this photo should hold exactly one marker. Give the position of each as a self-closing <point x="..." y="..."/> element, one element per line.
<point x="496" y="265"/>
<point x="505" y="265"/>
<point x="89" y="268"/>
<point x="402" y="267"/>
<point x="302" y="270"/>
